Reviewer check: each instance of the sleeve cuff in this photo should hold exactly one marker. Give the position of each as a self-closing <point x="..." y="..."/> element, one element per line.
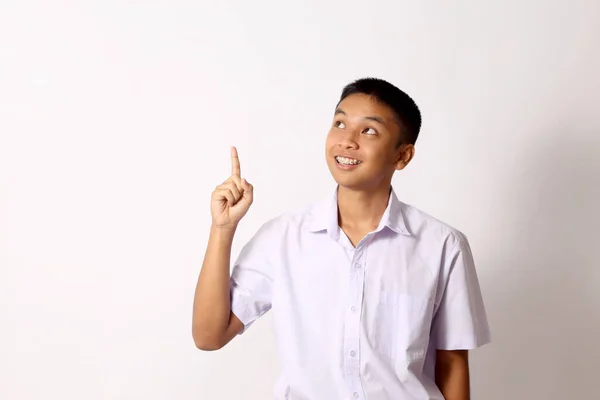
<point x="470" y="344"/>
<point x="241" y="310"/>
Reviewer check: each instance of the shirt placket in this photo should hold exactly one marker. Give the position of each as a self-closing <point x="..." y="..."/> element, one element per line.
<point x="352" y="352"/>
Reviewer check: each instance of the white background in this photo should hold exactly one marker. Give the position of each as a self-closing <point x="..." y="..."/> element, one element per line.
<point x="115" y="122"/>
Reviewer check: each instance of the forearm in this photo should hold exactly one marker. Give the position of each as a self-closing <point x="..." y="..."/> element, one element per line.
<point x="212" y="307"/>
<point x="452" y="374"/>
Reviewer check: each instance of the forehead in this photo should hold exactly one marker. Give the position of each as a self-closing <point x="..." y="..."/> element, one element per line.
<point x="364" y="105"/>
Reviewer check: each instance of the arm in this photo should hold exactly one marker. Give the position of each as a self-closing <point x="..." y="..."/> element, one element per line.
<point x="214" y="325"/>
<point x="452" y="374"/>
<point x="213" y="322"/>
<point x="460" y="323"/>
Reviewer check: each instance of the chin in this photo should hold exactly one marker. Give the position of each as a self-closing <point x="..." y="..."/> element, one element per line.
<point x="348" y="182"/>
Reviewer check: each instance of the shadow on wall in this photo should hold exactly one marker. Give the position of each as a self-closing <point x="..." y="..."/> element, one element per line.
<point x="544" y="305"/>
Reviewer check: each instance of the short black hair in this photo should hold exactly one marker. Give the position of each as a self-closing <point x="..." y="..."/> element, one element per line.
<point x="405" y="108"/>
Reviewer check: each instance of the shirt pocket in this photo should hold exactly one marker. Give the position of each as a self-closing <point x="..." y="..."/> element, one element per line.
<point x="402" y="326"/>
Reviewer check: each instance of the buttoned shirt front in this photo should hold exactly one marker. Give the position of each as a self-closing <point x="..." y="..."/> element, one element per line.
<point x="360" y="322"/>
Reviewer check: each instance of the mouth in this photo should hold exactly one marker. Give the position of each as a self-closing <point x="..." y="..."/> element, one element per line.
<point x="345" y="161"/>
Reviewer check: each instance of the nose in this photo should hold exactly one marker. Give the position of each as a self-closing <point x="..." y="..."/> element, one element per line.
<point x="349" y="140"/>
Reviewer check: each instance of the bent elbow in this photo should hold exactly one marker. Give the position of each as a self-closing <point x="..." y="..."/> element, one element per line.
<point x="206" y="342"/>
<point x="207" y="345"/>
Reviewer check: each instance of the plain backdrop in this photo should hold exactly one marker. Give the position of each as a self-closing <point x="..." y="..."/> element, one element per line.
<point x="116" y="119"/>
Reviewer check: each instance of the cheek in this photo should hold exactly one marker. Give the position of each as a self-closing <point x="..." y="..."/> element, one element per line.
<point x="330" y="140"/>
<point x="377" y="157"/>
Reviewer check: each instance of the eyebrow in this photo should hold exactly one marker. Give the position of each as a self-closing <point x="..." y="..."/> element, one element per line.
<point x="376" y="119"/>
<point x="370" y="117"/>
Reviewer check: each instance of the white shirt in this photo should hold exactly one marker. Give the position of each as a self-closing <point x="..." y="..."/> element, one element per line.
<point x="360" y="323"/>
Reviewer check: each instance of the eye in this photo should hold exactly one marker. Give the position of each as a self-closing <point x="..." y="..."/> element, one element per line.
<point x="339" y="124"/>
<point x="370" y="131"/>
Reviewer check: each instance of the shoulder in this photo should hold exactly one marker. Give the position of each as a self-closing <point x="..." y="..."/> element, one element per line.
<point x="442" y="244"/>
<point x="300" y="218"/>
<point x="430" y="229"/>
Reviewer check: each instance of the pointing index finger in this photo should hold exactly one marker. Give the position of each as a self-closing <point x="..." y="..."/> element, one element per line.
<point x="235" y="162"/>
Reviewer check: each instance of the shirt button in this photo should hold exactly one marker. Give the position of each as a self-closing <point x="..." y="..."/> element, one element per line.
<point x="353" y="309"/>
<point x="352" y="353"/>
<point x="356" y="395"/>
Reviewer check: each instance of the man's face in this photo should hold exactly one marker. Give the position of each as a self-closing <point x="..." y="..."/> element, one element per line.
<point x="362" y="145"/>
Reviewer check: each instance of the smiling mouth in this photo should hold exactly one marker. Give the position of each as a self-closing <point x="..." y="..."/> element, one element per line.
<point x="347" y="161"/>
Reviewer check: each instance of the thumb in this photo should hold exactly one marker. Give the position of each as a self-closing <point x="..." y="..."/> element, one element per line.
<point x="248" y="190"/>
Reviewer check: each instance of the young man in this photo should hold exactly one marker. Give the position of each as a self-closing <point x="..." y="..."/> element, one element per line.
<point x="372" y="298"/>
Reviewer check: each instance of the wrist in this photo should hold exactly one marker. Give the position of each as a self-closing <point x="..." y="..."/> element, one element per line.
<point x="223" y="230"/>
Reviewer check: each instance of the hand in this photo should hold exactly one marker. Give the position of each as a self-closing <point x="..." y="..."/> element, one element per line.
<point x="231" y="200"/>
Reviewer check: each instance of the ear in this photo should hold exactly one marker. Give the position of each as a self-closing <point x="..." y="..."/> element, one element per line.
<point x="406" y="152"/>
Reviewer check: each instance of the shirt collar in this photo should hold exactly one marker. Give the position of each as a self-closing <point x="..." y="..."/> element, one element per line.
<point x="325" y="216"/>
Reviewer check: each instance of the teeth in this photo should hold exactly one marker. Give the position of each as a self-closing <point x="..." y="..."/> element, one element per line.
<point x="347" y="161"/>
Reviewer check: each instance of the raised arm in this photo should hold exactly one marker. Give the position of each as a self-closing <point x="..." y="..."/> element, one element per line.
<point x="213" y="323"/>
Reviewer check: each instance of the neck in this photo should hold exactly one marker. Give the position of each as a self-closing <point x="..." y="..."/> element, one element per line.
<point x="362" y="209"/>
